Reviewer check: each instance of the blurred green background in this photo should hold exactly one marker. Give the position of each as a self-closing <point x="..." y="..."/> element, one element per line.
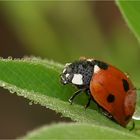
<point x="60" y="31"/>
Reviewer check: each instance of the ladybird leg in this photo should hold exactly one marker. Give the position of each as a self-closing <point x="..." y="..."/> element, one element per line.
<point x="89" y="98"/>
<point x="88" y="103"/>
<point x="107" y="114"/>
<point x="133" y="125"/>
<point x="74" y="95"/>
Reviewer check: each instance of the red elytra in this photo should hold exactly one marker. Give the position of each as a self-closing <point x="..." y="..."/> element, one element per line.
<point x="108" y="84"/>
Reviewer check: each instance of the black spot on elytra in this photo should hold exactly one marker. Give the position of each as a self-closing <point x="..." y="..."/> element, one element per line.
<point x="101" y="64"/>
<point x="110" y="98"/>
<point x="125" y="85"/>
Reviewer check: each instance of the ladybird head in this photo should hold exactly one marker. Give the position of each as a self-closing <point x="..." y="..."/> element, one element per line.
<point x="78" y="73"/>
<point x="66" y="74"/>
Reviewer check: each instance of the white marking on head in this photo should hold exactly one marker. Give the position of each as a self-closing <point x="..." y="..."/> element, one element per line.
<point x="67" y="75"/>
<point x="63" y="80"/>
<point x="89" y="60"/>
<point x="64" y="70"/>
<point x="77" y="79"/>
<point x="67" y="64"/>
<point x="96" y="69"/>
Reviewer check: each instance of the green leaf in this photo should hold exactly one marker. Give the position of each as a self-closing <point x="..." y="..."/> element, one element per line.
<point x="78" y="131"/>
<point x="130" y="11"/>
<point x="39" y="81"/>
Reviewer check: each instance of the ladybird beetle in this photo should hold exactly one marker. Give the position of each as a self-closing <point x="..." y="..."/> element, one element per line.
<point x="110" y="88"/>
